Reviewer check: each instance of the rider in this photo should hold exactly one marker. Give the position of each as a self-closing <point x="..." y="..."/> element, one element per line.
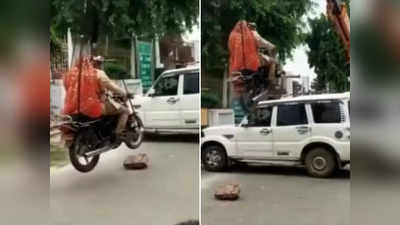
<point x="265" y="60"/>
<point x="111" y="107"/>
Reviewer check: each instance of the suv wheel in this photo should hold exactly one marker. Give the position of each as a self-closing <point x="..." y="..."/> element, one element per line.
<point x="214" y="158"/>
<point x="320" y="162"/>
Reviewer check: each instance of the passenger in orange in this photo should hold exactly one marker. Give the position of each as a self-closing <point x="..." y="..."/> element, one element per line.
<point x="92" y="92"/>
<point x="243" y="55"/>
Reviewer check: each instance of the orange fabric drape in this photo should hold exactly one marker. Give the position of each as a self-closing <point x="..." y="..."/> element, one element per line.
<point x="242" y="49"/>
<point x="243" y="53"/>
<point x="90" y="103"/>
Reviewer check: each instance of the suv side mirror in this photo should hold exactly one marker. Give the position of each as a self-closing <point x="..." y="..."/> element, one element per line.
<point x="151" y="92"/>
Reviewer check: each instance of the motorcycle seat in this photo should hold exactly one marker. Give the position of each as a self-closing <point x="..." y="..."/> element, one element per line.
<point x="83" y="118"/>
<point x="86" y="119"/>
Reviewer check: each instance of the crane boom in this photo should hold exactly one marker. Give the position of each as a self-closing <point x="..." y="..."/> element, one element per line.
<point x="337" y="13"/>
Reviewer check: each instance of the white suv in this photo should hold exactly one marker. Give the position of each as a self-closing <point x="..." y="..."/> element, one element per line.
<point x="172" y="104"/>
<point x="311" y="131"/>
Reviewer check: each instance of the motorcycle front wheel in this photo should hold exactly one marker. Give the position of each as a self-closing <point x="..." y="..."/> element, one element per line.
<point x="78" y="160"/>
<point x="135" y="132"/>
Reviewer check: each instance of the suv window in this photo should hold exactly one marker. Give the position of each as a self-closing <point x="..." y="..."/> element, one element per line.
<point x="191" y="83"/>
<point x="167" y="85"/>
<point x="292" y="114"/>
<point x="261" y="117"/>
<point x="326" y="112"/>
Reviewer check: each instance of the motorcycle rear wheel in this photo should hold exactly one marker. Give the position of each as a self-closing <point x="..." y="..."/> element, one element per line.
<point x="75" y="157"/>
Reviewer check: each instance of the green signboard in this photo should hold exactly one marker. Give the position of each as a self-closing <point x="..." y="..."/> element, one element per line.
<point x="238" y="110"/>
<point x="145" y="63"/>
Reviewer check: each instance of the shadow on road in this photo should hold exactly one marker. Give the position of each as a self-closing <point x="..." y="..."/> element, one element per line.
<point x="188" y="138"/>
<point x="281" y="170"/>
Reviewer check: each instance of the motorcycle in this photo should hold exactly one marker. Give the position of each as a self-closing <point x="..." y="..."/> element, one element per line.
<point x="255" y="87"/>
<point x="87" y="138"/>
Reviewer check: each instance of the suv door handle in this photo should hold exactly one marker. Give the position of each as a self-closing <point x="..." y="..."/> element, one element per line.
<point x="172" y="100"/>
<point x="303" y="129"/>
<point x="265" y="131"/>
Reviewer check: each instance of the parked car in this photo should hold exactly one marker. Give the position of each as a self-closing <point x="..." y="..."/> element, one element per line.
<point x="311" y="131"/>
<point x="172" y="104"/>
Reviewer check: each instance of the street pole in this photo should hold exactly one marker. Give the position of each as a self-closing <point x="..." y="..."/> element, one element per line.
<point x="70" y="48"/>
<point x="106" y="47"/>
<point x="133" y="56"/>
<point x="157" y="52"/>
<point x="225" y="83"/>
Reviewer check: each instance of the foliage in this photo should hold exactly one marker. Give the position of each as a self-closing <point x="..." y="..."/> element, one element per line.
<point x="278" y="21"/>
<point x="318" y="84"/>
<point x="327" y="55"/>
<point x="209" y="100"/>
<point x="115" y="71"/>
<point x="55" y="42"/>
<point x="58" y="156"/>
<point x="121" y="18"/>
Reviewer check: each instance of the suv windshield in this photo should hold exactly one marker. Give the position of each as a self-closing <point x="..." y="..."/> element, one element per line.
<point x="167" y="85"/>
<point x="260" y="117"/>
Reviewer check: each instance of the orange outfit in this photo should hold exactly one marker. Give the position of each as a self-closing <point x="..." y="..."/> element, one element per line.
<point x="242" y="49"/>
<point x="89" y="103"/>
<point x="243" y="52"/>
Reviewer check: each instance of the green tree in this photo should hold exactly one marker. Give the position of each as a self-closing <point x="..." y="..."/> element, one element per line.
<point x="121" y="18"/>
<point x="326" y="55"/>
<point x="318" y="84"/>
<point x="278" y="21"/>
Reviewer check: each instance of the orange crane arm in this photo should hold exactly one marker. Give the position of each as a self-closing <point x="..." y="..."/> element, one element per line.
<point x="337" y="13"/>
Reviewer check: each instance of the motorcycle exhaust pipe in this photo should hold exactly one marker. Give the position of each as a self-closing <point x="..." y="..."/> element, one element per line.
<point x="98" y="151"/>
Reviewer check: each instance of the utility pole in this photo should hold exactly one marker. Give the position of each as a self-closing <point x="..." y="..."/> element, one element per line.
<point x="225" y="83"/>
<point x="70" y="48"/>
<point x="133" y="56"/>
<point x="157" y="52"/>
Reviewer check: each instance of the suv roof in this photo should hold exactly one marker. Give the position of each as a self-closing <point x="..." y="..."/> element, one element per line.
<point x="182" y="69"/>
<point x="307" y="98"/>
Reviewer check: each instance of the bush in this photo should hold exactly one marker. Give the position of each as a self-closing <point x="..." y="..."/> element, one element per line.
<point x="209" y="100"/>
<point x="115" y="71"/>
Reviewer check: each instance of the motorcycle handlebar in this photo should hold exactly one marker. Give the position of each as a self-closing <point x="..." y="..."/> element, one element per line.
<point x="129" y="96"/>
<point x="122" y="97"/>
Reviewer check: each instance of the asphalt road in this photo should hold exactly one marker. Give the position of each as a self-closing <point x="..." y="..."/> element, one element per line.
<point x="276" y="196"/>
<point x="164" y="194"/>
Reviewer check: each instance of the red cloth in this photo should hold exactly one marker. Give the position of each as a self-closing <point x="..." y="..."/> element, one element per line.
<point x="90" y="103"/>
<point x="242" y="49"/>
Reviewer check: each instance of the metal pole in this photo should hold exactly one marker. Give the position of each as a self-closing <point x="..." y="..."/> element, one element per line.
<point x="133" y="57"/>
